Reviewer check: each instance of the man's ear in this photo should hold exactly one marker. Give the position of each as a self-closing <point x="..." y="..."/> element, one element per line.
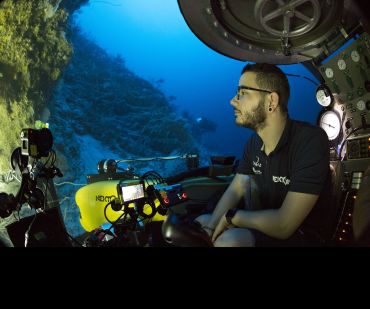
<point x="274" y="100"/>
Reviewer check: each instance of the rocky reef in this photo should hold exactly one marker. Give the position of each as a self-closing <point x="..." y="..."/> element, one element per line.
<point x="33" y="53"/>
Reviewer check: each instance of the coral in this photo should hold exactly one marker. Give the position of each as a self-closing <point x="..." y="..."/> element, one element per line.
<point x="33" y="53"/>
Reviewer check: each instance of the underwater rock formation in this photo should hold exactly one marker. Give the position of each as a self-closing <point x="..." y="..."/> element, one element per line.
<point x="33" y="53"/>
<point x="100" y="97"/>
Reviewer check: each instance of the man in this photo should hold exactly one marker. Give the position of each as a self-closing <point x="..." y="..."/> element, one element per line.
<point x="289" y="162"/>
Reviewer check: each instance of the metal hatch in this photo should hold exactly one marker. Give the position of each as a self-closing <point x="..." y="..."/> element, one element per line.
<point x="274" y="31"/>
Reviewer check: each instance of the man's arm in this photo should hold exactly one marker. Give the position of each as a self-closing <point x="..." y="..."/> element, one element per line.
<point x="278" y="223"/>
<point x="237" y="188"/>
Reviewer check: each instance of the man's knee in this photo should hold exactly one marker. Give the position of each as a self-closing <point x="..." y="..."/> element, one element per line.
<point x="203" y="219"/>
<point x="235" y="237"/>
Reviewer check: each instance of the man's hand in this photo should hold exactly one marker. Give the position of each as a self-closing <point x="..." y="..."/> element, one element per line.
<point x="208" y="230"/>
<point x="220" y="228"/>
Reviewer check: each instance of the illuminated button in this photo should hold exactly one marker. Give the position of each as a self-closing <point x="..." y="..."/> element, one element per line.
<point x="184" y="195"/>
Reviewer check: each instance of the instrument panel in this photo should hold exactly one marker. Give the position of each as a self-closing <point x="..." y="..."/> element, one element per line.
<point x="346" y="93"/>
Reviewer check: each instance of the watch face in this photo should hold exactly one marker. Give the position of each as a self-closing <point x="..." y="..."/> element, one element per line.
<point x="330" y="122"/>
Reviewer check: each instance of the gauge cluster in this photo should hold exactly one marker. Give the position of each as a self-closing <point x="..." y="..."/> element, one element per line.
<point x="345" y="95"/>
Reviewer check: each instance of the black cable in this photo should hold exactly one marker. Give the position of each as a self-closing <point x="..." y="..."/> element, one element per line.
<point x="105" y="213"/>
<point x="46" y="192"/>
<point x="54" y="157"/>
<point x="153" y="176"/>
<point x="344" y="141"/>
<point x="47" y="160"/>
<point x="305" y="77"/>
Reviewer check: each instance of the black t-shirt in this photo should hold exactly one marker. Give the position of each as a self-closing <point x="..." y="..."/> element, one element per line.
<point x="299" y="163"/>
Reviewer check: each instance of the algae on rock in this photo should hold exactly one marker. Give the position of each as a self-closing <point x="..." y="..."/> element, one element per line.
<point x="33" y="54"/>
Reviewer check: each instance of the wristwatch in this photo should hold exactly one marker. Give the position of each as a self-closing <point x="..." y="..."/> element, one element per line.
<point x="229" y="215"/>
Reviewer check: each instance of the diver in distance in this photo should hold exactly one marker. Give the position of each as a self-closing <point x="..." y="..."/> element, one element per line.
<point x="287" y="161"/>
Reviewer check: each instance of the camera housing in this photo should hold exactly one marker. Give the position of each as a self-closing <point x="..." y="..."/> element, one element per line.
<point x="36" y="143"/>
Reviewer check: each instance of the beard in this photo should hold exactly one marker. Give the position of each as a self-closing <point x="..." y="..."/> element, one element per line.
<point x="255" y="120"/>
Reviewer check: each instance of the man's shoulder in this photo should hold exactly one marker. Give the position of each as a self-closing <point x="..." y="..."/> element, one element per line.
<point x="309" y="138"/>
<point x="304" y="130"/>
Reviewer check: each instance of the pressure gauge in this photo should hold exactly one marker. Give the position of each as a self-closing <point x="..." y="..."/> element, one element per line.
<point x="330" y="122"/>
<point x="361" y="105"/>
<point x="324" y="95"/>
<point x="355" y="56"/>
<point x="329" y="73"/>
<point x="342" y="65"/>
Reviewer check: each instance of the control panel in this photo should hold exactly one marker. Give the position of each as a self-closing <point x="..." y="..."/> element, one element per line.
<point x="170" y="195"/>
<point x="347" y="75"/>
<point x="358" y="147"/>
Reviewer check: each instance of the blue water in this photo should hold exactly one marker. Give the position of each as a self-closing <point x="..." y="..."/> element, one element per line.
<point x="157" y="45"/>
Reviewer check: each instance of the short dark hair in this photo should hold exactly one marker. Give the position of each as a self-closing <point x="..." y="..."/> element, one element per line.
<point x="270" y="77"/>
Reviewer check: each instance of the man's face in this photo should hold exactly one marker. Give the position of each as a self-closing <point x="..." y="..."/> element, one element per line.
<point x="250" y="107"/>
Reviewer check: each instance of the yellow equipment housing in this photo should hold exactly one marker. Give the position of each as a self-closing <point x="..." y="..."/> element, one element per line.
<point x="93" y="198"/>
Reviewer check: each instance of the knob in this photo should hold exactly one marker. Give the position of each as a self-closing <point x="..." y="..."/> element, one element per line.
<point x="348" y="124"/>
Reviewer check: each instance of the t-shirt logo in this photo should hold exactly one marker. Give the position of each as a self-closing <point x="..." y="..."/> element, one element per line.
<point x="281" y="179"/>
<point x="256" y="166"/>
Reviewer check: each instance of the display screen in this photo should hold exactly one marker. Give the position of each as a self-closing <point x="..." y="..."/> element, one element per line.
<point x="132" y="192"/>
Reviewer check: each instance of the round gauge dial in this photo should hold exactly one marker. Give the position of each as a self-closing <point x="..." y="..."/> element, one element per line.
<point x="342" y="65"/>
<point x="361" y="105"/>
<point x="324" y="95"/>
<point x="330" y="122"/>
<point x="329" y="73"/>
<point x="355" y="56"/>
